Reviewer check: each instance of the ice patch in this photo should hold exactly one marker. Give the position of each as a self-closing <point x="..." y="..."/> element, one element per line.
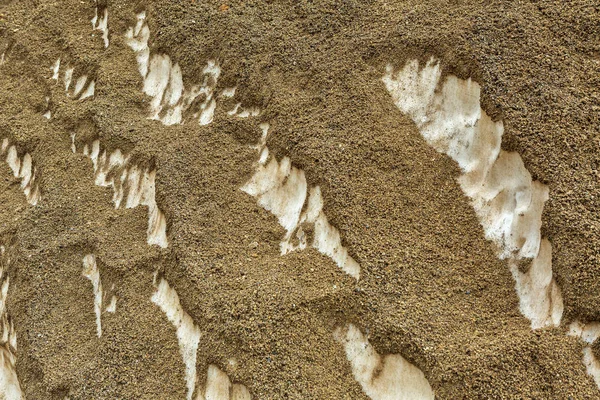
<point x="90" y="271"/>
<point x="132" y="185"/>
<point x="507" y="201"/>
<point x="100" y="23"/>
<point x="390" y="377"/>
<point x="10" y="388"/>
<point x="281" y="189"/>
<point x="24" y="170"/>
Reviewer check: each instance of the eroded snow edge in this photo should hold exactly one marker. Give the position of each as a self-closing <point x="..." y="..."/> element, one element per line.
<point x="507" y="201"/>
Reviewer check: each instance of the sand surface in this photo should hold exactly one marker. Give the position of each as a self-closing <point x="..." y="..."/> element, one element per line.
<point x="431" y="287"/>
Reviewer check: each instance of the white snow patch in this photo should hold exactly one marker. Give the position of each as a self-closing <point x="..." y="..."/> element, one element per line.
<point x="24" y="170"/>
<point x="10" y="388"/>
<point x="73" y="147"/>
<point x="112" y="306"/>
<point x="100" y="23"/>
<point x="188" y="334"/>
<point x="79" y="84"/>
<point x="83" y="88"/>
<point x="217" y="384"/>
<point x="89" y="91"/>
<point x="390" y="377"/>
<point x="132" y="183"/>
<point x="90" y="271"/>
<point x="137" y="38"/>
<point x="228" y="92"/>
<point x="13" y="160"/>
<point x="55" y="68"/>
<point x="48" y="113"/>
<point x="539" y="295"/>
<point x="241" y="112"/>
<point x="68" y="77"/>
<point x="588" y="333"/>
<point x="281" y="189"/>
<point x="219" y="387"/>
<point x="234" y="110"/>
<point x="592" y="365"/>
<point x="163" y="82"/>
<point x="507" y="201"/>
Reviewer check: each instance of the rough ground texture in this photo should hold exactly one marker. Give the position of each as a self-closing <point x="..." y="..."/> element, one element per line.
<point x="431" y="287"/>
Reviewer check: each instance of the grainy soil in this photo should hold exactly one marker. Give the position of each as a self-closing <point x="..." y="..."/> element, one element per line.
<point x="431" y="287"/>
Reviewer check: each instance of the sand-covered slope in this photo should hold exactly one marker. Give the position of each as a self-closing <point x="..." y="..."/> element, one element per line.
<point x="299" y="199"/>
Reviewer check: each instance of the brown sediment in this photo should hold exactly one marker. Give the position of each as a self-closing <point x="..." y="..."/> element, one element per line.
<point x="431" y="287"/>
